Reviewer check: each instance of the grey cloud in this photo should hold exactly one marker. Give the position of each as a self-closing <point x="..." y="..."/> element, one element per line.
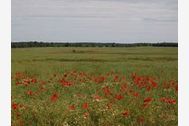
<point x="160" y="20"/>
<point x="115" y="19"/>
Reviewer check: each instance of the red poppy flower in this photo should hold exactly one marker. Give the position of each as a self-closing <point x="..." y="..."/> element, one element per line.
<point x="123" y="88"/>
<point x="54" y="97"/>
<point x="119" y="97"/>
<point x="106" y="90"/>
<point x="29" y="92"/>
<point x="168" y="100"/>
<point x="99" y="79"/>
<point x="148" y="88"/>
<point x="136" y="94"/>
<point x="34" y="80"/>
<point x="26" y="81"/>
<point x="65" y="83"/>
<point x="85" y="105"/>
<point x="148" y="99"/>
<point x="116" y="78"/>
<point x="125" y="113"/>
<point x="15" y="106"/>
<point x="71" y="107"/>
<point x="153" y="83"/>
<point x="18" y="83"/>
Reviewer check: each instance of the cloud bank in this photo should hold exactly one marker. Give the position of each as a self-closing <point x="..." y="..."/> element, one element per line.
<point x="95" y="20"/>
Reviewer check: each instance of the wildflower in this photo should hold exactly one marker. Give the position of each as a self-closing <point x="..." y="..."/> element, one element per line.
<point x="123" y="88"/>
<point x="116" y="78"/>
<point x="119" y="97"/>
<point x="85" y="115"/>
<point x="15" y="106"/>
<point x="148" y="99"/>
<point x="29" y="92"/>
<point x="71" y="107"/>
<point x="153" y="83"/>
<point x="136" y="94"/>
<point x="34" y="80"/>
<point x="168" y="100"/>
<point x="97" y="98"/>
<point x="148" y="88"/>
<point x="54" y="97"/>
<point x="65" y="83"/>
<point x="26" y="81"/>
<point x="125" y="113"/>
<point x="99" y="79"/>
<point x="85" y="105"/>
<point x="18" y="83"/>
<point x="106" y="90"/>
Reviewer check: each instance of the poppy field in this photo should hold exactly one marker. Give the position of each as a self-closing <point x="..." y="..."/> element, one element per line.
<point x="93" y="86"/>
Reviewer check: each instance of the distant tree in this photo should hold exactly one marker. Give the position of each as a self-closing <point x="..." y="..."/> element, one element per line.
<point x="89" y="44"/>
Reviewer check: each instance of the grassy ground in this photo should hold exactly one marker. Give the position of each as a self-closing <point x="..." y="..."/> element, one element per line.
<point x="94" y="86"/>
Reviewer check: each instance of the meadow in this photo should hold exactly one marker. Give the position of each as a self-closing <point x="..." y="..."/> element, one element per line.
<point x="94" y="86"/>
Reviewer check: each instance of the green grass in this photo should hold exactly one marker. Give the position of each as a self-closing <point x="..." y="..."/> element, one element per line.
<point x="80" y="67"/>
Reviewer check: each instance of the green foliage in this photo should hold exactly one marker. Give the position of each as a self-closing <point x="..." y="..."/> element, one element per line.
<point x="88" y="44"/>
<point x="81" y="66"/>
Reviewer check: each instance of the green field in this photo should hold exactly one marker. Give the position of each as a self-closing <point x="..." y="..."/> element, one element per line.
<point x="104" y="86"/>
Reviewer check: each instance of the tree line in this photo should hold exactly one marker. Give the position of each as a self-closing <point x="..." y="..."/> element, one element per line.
<point x="88" y="44"/>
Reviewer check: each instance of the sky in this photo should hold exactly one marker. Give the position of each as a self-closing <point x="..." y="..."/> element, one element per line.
<point x="122" y="21"/>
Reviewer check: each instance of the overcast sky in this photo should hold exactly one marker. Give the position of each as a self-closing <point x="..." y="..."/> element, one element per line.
<point x="94" y="20"/>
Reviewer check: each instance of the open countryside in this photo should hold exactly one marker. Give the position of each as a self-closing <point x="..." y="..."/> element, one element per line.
<point x="94" y="86"/>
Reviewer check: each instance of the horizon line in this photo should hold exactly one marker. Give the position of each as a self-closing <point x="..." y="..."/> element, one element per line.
<point x="94" y="42"/>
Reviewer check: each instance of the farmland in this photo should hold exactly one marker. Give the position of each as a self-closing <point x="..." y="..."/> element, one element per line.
<point x="85" y="86"/>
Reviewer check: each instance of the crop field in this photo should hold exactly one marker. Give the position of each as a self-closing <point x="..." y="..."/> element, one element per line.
<point x="93" y="86"/>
